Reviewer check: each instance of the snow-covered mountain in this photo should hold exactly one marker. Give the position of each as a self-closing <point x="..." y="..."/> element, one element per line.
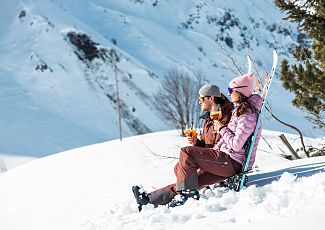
<point x="57" y="81"/>
<point x="89" y="188"/>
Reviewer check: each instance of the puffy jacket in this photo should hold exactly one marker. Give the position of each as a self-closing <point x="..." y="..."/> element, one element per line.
<point x="238" y="130"/>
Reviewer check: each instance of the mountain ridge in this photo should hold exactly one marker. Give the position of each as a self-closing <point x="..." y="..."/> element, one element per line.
<point x="74" y="100"/>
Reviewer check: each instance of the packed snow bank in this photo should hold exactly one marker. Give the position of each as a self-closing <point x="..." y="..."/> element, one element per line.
<point x="8" y="161"/>
<point x="90" y="188"/>
<point x="286" y="204"/>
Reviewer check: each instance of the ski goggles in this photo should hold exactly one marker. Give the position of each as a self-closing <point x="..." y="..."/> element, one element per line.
<point x="230" y="90"/>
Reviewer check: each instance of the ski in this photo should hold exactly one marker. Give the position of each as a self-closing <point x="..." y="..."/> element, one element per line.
<point x="243" y="177"/>
<point x="249" y="61"/>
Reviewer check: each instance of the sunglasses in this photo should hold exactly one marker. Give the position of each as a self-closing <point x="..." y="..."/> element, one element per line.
<point x="201" y="99"/>
<point x="230" y="90"/>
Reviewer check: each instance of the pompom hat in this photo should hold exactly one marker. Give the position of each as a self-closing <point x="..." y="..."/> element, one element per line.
<point x="243" y="84"/>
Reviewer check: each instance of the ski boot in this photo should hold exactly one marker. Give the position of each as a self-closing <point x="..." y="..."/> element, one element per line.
<point x="141" y="197"/>
<point x="181" y="198"/>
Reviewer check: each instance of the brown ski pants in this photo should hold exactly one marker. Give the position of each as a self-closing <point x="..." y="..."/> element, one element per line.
<point x="197" y="167"/>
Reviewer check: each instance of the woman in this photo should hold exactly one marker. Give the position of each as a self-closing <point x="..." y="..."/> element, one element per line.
<point x="220" y="162"/>
<point x="243" y="121"/>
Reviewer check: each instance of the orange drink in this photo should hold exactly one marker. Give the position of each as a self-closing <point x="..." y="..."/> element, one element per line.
<point x="188" y="132"/>
<point x="216" y="115"/>
<point x="193" y="134"/>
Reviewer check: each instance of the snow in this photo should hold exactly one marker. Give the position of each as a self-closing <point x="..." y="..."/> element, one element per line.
<point x="67" y="105"/>
<point x="50" y="181"/>
<point x="8" y="161"/>
<point x="90" y="188"/>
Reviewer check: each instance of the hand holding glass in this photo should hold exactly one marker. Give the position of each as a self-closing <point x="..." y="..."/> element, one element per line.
<point x="215" y="113"/>
<point x="190" y="131"/>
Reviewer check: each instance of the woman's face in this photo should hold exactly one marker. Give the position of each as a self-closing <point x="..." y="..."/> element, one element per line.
<point x="234" y="96"/>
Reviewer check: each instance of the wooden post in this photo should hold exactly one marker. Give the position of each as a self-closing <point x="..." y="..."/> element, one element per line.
<point x="286" y="142"/>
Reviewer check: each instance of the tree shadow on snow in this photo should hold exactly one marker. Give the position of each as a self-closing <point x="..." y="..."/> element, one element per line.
<point x="306" y="170"/>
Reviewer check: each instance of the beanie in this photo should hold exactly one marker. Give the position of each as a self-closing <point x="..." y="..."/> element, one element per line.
<point x="243" y="84"/>
<point x="209" y="90"/>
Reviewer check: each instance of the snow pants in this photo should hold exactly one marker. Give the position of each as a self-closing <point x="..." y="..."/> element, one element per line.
<point x="197" y="167"/>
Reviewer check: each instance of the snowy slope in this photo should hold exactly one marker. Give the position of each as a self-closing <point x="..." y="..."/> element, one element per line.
<point x="52" y="101"/>
<point x="90" y="188"/>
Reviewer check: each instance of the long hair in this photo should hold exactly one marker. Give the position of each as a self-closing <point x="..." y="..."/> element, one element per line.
<point x="244" y="106"/>
<point x="220" y="100"/>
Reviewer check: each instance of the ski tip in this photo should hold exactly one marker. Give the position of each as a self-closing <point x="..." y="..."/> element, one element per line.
<point x="249" y="61"/>
<point x="275" y="60"/>
<point x="275" y="53"/>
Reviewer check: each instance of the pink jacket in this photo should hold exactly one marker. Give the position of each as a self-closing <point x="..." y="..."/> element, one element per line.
<point x="238" y="131"/>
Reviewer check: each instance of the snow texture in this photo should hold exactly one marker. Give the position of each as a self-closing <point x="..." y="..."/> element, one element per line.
<point x="90" y="188"/>
<point x="52" y="101"/>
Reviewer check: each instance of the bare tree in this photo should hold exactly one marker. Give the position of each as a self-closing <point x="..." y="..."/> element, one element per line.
<point x="233" y="67"/>
<point x="3" y="167"/>
<point x="177" y="99"/>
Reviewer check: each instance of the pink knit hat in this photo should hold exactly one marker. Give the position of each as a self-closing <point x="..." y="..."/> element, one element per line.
<point x="243" y="84"/>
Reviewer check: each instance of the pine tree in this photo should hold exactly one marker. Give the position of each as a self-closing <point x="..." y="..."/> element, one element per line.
<point x="306" y="78"/>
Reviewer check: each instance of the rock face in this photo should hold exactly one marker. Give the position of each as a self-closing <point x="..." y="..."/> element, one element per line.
<point x="95" y="58"/>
